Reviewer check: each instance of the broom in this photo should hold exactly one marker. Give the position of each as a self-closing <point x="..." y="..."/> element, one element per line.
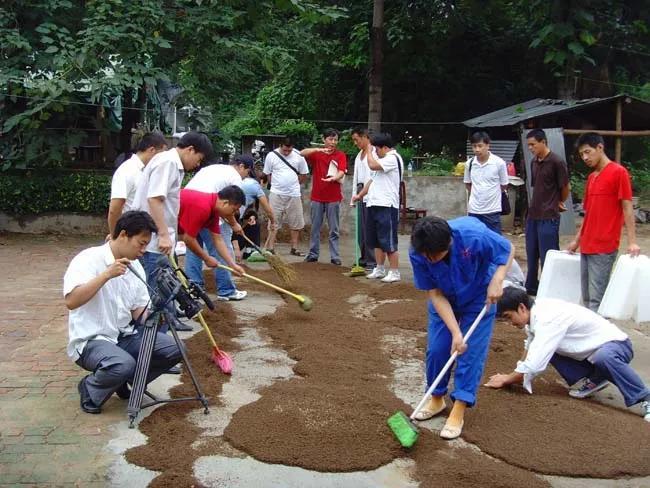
<point x="356" y="270"/>
<point x="402" y="426"/>
<point x="305" y="302"/>
<point x="285" y="272"/>
<point x="218" y="357"/>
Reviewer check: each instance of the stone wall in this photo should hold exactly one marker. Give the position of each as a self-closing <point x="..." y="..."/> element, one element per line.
<point x="443" y="196"/>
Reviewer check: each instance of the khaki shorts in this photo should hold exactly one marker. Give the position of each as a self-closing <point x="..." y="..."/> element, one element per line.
<point x="287" y="210"/>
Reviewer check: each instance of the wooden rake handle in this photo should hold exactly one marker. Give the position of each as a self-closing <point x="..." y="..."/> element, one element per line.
<point x="451" y="360"/>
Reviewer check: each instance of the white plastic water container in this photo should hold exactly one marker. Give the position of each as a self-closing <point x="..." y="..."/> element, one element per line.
<point x="626" y="296"/>
<point x="561" y="277"/>
<point x="643" y="285"/>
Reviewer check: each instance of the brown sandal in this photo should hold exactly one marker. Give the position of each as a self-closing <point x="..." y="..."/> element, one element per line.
<point x="295" y="252"/>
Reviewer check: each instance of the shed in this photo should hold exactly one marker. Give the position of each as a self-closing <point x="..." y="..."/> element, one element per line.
<point x="617" y="116"/>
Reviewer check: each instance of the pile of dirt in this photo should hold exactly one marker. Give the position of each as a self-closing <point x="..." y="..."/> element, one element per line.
<point x="541" y="432"/>
<point x="332" y="417"/>
<point x="170" y="434"/>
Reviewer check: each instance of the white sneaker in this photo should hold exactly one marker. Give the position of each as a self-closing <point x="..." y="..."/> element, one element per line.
<point x="235" y="297"/>
<point x="392" y="277"/>
<point x="376" y="274"/>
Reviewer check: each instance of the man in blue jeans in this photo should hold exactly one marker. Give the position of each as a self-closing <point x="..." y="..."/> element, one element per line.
<point x="550" y="187"/>
<point x="213" y="179"/>
<point x="582" y="346"/>
<point x="158" y="194"/>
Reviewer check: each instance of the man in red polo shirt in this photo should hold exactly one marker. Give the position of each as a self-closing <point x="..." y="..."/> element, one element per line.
<point x="329" y="166"/>
<point x="607" y="203"/>
<point x="200" y="210"/>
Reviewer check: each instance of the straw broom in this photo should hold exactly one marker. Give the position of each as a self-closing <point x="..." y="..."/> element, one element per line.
<point x="285" y="272"/>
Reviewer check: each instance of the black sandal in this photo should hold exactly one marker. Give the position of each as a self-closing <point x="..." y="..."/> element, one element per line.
<point x="295" y="252"/>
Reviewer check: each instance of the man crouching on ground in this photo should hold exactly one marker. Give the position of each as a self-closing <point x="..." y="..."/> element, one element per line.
<point x="579" y="343"/>
<point x="105" y="300"/>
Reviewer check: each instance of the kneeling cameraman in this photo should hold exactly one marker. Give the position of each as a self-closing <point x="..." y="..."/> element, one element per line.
<point x="105" y="299"/>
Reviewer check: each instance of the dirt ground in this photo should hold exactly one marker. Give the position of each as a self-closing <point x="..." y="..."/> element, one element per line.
<point x="332" y="416"/>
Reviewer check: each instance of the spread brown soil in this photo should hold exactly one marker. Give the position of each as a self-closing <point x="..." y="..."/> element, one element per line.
<point x="332" y="416"/>
<point x="550" y="432"/>
<point x="170" y="434"/>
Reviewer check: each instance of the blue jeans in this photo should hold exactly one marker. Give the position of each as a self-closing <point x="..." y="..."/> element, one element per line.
<point x="610" y="362"/>
<point x="469" y="365"/>
<point x="150" y="264"/>
<point x="194" y="264"/>
<point x="541" y="236"/>
<point x="320" y="210"/>
<point x="491" y="220"/>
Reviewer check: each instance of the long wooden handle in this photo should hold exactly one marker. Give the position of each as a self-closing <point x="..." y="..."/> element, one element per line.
<point x="451" y="360"/>
<point x="181" y="276"/>
<point x="257" y="248"/>
<point x="300" y="298"/>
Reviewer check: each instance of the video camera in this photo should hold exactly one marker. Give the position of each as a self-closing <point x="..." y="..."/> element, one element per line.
<point x="169" y="287"/>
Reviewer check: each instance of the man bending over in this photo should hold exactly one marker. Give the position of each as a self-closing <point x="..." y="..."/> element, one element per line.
<point x="581" y="345"/>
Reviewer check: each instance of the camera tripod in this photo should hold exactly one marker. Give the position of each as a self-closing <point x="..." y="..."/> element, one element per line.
<point x="149" y="330"/>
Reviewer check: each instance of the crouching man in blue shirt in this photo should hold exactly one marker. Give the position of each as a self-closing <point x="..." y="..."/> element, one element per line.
<point x="461" y="265"/>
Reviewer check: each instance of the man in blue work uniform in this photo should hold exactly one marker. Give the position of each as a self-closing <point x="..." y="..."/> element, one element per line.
<point x="461" y="265"/>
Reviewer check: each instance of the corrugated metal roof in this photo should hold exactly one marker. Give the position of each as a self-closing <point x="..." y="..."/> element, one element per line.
<point x="504" y="149"/>
<point x="532" y="109"/>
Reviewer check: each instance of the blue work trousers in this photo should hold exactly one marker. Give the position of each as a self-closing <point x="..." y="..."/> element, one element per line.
<point x="469" y="365"/>
<point x="541" y="236"/>
<point x="194" y="264"/>
<point x="610" y="362"/>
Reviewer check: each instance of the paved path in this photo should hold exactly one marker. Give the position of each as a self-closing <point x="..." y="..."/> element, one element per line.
<point x="44" y="437"/>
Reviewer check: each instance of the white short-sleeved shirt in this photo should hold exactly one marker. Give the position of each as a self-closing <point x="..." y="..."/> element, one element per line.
<point x="162" y="177"/>
<point x="564" y="328"/>
<point x="284" y="181"/>
<point x="361" y="171"/>
<point x="384" y="191"/>
<point x="125" y="181"/>
<point x="486" y="179"/>
<point x="108" y="313"/>
<point x="214" y="178"/>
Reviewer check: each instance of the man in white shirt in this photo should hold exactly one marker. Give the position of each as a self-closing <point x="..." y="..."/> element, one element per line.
<point x="160" y="185"/>
<point x="383" y="205"/>
<point x="158" y="194"/>
<point x="361" y="177"/>
<point x="213" y="179"/>
<point x="579" y="343"/>
<point x="286" y="170"/>
<point x="486" y="176"/>
<point x="106" y="301"/>
<point x="127" y="176"/>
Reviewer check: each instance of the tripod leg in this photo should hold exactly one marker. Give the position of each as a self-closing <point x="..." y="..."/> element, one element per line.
<point x="142" y="367"/>
<point x="186" y="360"/>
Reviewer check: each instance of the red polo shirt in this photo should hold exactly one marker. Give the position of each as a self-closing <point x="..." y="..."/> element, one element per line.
<point x="197" y="211"/>
<point x="601" y="228"/>
<point x="324" y="191"/>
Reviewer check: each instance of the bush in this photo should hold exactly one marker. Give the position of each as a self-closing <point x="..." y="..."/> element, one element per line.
<point x="37" y="192"/>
